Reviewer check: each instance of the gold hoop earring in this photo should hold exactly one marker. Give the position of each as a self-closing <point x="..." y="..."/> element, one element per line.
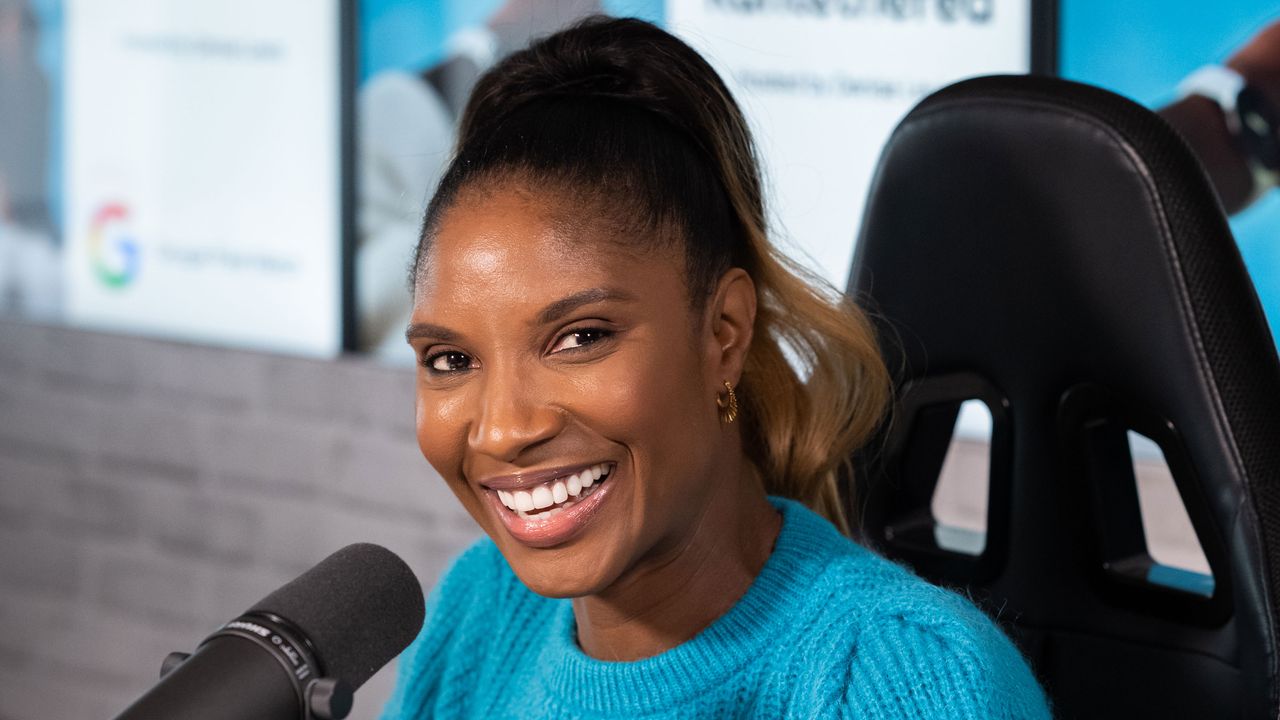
<point x="728" y="407"/>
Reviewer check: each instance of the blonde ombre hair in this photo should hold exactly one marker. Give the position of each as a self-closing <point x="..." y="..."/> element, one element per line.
<point x="629" y="119"/>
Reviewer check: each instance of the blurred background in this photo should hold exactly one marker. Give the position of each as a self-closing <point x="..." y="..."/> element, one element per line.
<point x="207" y="208"/>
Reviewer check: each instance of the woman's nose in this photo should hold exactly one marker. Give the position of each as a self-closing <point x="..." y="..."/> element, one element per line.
<point x="511" y="417"/>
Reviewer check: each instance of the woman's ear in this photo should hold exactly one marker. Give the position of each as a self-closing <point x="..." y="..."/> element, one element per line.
<point x="731" y="322"/>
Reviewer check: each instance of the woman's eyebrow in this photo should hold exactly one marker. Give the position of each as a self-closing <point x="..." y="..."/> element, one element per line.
<point x="566" y="305"/>
<point x="427" y="330"/>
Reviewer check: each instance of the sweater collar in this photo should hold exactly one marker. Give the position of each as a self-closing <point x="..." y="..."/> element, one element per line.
<point x="762" y="616"/>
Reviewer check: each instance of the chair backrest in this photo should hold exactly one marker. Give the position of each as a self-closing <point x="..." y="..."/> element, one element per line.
<point x="1057" y="252"/>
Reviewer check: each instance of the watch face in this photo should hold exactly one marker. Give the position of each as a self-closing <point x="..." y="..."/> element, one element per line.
<point x="1259" y="123"/>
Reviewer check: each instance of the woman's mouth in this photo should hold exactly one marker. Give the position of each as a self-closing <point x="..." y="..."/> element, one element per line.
<point x="550" y="497"/>
<point x="554" y="511"/>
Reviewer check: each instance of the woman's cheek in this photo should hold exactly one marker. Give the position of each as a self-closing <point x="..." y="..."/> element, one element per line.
<point x="442" y="432"/>
<point x="637" y="399"/>
<point x="616" y="393"/>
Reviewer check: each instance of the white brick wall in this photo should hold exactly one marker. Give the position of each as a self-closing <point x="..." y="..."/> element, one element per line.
<point x="150" y="491"/>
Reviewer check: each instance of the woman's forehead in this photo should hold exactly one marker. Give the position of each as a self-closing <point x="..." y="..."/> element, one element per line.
<point x="501" y="243"/>
<point x="511" y="232"/>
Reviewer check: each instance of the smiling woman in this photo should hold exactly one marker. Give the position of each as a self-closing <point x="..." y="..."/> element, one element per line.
<point x="600" y="323"/>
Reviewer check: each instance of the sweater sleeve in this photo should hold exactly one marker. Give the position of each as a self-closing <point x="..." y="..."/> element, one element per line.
<point x="937" y="656"/>
<point x="430" y="660"/>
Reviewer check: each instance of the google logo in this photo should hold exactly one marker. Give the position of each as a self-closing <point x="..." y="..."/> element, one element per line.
<point x="113" y="251"/>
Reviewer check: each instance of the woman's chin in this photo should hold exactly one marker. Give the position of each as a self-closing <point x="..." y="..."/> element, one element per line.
<point x="555" y="582"/>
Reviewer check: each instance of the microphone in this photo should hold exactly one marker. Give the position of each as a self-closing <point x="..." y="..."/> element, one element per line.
<point x="301" y="651"/>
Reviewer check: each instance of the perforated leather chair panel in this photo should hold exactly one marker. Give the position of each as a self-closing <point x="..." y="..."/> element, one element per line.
<point x="1060" y="246"/>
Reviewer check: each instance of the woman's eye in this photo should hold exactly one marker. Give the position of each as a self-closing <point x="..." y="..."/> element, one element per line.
<point x="579" y="339"/>
<point x="448" y="361"/>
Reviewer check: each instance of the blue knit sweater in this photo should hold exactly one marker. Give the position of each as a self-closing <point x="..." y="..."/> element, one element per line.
<point x="828" y="629"/>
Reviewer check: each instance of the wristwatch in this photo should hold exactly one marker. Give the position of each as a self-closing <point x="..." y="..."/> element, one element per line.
<point x="1252" y="120"/>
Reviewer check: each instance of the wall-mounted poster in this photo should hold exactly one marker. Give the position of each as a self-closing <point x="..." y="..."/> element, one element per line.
<point x="419" y="61"/>
<point x="202" y="165"/>
<point x="822" y="83"/>
<point x="1142" y="50"/>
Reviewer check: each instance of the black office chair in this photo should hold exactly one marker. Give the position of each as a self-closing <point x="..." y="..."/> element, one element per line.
<point x="1057" y="252"/>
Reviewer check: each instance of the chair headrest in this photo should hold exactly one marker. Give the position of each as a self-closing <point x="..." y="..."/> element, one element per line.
<point x="1061" y="247"/>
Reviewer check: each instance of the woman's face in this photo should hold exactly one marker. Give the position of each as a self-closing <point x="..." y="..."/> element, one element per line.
<point x="564" y="374"/>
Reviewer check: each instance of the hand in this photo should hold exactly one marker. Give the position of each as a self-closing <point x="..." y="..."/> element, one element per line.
<point x="1258" y="62"/>
<point x="1201" y="122"/>
<point x="1260" y="56"/>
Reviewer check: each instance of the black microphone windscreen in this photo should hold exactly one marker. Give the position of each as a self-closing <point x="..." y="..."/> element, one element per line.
<point x="360" y="607"/>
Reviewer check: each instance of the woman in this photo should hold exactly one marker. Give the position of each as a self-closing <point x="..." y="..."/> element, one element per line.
<point x="608" y="348"/>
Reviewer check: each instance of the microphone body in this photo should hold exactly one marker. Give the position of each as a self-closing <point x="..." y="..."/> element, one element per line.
<point x="300" y="652"/>
<point x="225" y="678"/>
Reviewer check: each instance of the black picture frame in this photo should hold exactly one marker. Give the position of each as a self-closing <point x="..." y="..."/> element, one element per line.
<point x="348" y="72"/>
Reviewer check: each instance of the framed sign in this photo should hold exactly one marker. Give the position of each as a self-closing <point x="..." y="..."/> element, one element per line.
<point x="204" y="152"/>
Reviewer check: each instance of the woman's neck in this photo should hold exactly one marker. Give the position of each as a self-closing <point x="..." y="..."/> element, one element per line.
<point x="670" y="600"/>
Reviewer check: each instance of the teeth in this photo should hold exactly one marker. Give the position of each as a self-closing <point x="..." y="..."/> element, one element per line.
<point x="553" y="493"/>
<point x="554" y="510"/>
<point x="542" y="497"/>
<point x="524" y="501"/>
